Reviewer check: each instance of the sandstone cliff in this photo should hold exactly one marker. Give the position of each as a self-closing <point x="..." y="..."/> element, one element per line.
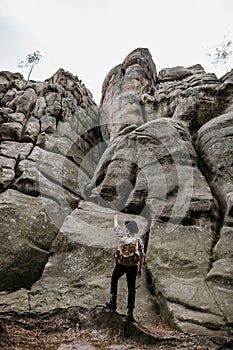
<point x="158" y="149"/>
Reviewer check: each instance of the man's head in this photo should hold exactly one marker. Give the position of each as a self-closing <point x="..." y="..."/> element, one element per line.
<point x="132" y="226"/>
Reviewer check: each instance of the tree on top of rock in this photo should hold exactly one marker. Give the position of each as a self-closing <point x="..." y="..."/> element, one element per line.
<point x="31" y="60"/>
<point x="221" y="53"/>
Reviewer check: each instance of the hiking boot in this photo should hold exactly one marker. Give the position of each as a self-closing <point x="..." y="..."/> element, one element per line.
<point x="130" y="317"/>
<point x="112" y="303"/>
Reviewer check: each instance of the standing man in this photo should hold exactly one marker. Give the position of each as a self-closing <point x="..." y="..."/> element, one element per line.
<point x="129" y="260"/>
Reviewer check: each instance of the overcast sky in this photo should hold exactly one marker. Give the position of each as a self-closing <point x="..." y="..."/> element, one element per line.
<point x="89" y="37"/>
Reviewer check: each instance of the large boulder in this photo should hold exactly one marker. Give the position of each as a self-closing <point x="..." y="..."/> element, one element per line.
<point x="215" y="141"/>
<point x="127" y="93"/>
<point x="26" y="233"/>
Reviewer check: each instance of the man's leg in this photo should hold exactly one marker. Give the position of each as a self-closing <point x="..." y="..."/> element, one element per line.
<point x="131" y="275"/>
<point x="118" y="272"/>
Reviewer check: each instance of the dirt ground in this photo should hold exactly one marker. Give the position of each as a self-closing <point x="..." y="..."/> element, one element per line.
<point x="77" y="332"/>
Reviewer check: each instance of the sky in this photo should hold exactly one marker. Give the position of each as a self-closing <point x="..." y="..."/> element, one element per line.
<point x="89" y="37"/>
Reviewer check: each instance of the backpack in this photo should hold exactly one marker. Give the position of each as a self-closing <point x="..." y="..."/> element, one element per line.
<point x="127" y="253"/>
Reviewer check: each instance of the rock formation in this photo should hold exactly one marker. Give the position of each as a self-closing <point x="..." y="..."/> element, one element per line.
<point x="158" y="149"/>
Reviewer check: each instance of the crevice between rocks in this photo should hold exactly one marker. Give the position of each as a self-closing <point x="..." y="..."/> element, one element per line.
<point x="219" y="218"/>
<point x="2" y="189"/>
<point x="55" y="182"/>
<point x="161" y="308"/>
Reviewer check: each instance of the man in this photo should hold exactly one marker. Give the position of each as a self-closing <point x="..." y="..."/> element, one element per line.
<point x="129" y="263"/>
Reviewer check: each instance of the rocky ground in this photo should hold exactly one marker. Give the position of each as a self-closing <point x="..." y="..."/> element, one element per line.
<point x="80" y="329"/>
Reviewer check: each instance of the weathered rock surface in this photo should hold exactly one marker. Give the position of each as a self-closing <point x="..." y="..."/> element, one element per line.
<point x="46" y="130"/>
<point x="215" y="140"/>
<point x="158" y="149"/>
<point x="26" y="234"/>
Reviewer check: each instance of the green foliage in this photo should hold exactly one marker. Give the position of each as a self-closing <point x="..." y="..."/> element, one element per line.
<point x="31" y="60"/>
<point x="221" y="53"/>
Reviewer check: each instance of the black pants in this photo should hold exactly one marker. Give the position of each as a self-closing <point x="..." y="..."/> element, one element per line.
<point x="131" y="274"/>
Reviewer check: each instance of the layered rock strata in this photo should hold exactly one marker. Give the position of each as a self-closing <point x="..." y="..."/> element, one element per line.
<point x="159" y="150"/>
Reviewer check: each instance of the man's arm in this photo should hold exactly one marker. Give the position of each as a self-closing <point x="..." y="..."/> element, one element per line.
<point x="141" y="262"/>
<point x="142" y="256"/>
<point x="117" y="229"/>
<point x="115" y="221"/>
